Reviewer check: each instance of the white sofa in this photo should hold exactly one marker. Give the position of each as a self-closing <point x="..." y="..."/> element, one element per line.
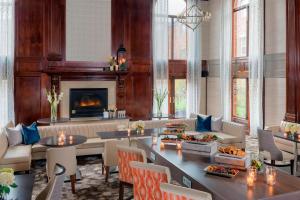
<point x="19" y="157"/>
<point x="283" y="144"/>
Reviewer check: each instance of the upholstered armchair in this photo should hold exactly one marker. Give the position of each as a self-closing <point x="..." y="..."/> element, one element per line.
<point x="110" y="155"/>
<point x="125" y="156"/>
<point x="269" y="150"/>
<point x="172" y="192"/>
<point x="147" y="179"/>
<point x="66" y="157"/>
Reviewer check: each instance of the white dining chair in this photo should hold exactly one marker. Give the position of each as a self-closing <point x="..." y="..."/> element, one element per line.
<point x="65" y="156"/>
<point x="170" y="191"/>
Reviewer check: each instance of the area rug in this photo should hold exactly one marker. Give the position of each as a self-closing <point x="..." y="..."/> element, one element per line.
<point x="91" y="186"/>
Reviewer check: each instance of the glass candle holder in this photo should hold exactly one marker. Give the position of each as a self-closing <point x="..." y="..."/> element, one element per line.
<point x="162" y="145"/>
<point x="154" y="139"/>
<point x="252" y="171"/>
<point x="128" y="132"/>
<point x="178" y="145"/>
<point x="270" y="175"/>
<point x="250" y="181"/>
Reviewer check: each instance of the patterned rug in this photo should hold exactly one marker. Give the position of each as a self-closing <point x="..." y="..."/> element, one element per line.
<point x="92" y="185"/>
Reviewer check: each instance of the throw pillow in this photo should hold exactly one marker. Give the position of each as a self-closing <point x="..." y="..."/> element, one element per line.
<point x="203" y="124"/>
<point x="3" y="142"/>
<point x="216" y="124"/>
<point x="30" y="134"/>
<point x="14" y="135"/>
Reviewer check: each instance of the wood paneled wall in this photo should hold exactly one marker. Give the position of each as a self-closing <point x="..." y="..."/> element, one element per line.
<point x="293" y="62"/>
<point x="40" y="55"/>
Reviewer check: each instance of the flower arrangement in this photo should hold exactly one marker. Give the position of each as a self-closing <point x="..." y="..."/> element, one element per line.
<point x="138" y="125"/>
<point x="291" y="129"/>
<point x="54" y="99"/>
<point x="160" y="96"/>
<point x="112" y="61"/>
<point x="257" y="164"/>
<point x="7" y="181"/>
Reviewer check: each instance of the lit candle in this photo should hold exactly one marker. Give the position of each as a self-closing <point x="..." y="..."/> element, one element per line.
<point x="178" y="146"/>
<point x="162" y="145"/>
<point x="270" y="175"/>
<point x="142" y="132"/>
<point x="285" y="134"/>
<point x="250" y="181"/>
<point x="253" y="172"/>
<point x="270" y="179"/>
<point x="298" y="136"/>
<point x="128" y="131"/>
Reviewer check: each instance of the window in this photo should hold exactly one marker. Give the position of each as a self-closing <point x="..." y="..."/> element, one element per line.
<point x="177" y="31"/>
<point x="177" y="60"/>
<point x="240" y="89"/>
<point x="6" y="61"/>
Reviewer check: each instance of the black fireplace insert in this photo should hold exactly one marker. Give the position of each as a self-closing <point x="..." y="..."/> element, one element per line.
<point x="88" y="102"/>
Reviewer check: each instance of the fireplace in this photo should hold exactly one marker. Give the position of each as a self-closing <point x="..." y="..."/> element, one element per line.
<point x="88" y="102"/>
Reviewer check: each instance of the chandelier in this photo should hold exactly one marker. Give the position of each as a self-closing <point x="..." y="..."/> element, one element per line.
<point x="193" y="17"/>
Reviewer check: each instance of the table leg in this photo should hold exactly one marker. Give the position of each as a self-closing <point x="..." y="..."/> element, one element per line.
<point x="295" y="158"/>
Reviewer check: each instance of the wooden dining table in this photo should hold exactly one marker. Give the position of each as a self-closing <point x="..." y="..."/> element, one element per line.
<point x="188" y="170"/>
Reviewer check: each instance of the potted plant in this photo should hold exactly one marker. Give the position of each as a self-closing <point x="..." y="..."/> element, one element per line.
<point x="7" y="181"/>
<point x="54" y="99"/>
<point x="160" y="96"/>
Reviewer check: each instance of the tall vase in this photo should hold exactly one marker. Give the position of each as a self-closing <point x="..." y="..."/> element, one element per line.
<point x="53" y="112"/>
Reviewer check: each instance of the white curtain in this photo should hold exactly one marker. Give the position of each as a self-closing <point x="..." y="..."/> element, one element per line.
<point x="160" y="50"/>
<point x="6" y="61"/>
<point x="225" y="58"/>
<point x="256" y="64"/>
<point x="194" y="67"/>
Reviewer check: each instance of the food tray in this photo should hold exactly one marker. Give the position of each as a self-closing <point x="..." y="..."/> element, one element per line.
<point x="231" y="155"/>
<point x="220" y="174"/>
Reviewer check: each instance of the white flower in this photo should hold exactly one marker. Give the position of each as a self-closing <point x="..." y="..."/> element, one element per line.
<point x="138" y="125"/>
<point x="6" y="179"/>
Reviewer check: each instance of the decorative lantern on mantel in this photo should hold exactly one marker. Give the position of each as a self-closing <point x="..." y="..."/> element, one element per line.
<point x="121" y="58"/>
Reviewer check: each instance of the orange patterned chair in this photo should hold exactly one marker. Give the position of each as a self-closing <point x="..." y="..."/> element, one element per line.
<point x="147" y="179"/>
<point x="125" y="155"/>
<point x="174" y="192"/>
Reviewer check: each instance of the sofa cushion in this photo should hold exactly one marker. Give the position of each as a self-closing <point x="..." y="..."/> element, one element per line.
<point x="30" y="134"/>
<point x="203" y="124"/>
<point x="16" y="154"/>
<point x="149" y="124"/>
<point x="14" y="135"/>
<point x="3" y="142"/>
<point x="217" y="124"/>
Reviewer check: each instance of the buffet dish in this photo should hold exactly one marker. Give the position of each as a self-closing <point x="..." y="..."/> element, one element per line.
<point x="221" y="171"/>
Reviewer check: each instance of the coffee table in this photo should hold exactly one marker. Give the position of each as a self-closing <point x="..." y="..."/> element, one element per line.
<point x="295" y="140"/>
<point x="53" y="142"/>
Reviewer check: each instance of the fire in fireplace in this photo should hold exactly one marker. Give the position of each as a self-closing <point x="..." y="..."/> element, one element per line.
<point x="88" y="102"/>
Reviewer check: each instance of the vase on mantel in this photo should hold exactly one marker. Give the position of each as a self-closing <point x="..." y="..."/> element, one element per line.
<point x="53" y="113"/>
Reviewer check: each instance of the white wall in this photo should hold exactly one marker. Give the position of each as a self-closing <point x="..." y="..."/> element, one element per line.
<point x="275" y="29"/>
<point x="88" y="30"/>
<point x="275" y="43"/>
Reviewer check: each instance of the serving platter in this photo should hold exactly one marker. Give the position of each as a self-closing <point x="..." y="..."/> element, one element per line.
<point x="227" y="175"/>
